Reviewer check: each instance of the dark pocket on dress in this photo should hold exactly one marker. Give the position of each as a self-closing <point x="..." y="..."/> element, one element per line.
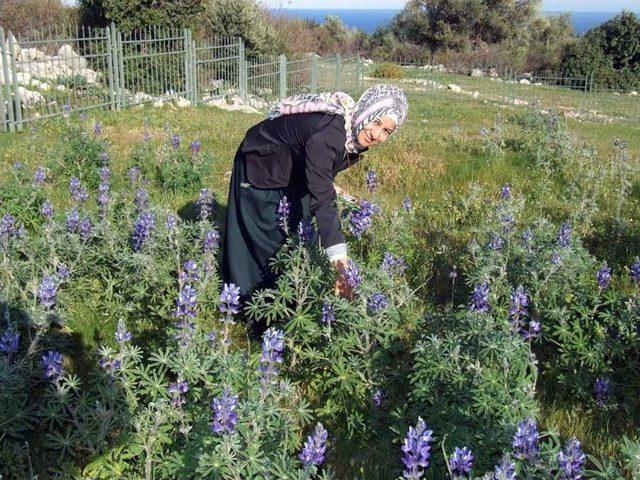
<point x="268" y="166"/>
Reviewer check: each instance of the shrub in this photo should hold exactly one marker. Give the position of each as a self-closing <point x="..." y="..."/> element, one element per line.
<point x="388" y="70"/>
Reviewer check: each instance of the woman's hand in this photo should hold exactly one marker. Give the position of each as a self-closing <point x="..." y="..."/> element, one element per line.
<point x="343" y="288"/>
<point x="341" y="192"/>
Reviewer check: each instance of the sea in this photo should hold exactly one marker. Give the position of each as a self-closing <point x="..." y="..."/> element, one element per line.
<point x="370" y="19"/>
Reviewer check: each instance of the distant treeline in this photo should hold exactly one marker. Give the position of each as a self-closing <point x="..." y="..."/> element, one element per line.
<point x="504" y="34"/>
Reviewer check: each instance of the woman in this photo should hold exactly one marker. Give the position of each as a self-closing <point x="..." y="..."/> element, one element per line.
<point x="296" y="153"/>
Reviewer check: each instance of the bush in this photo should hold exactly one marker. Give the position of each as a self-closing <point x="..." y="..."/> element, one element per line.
<point x="388" y="70"/>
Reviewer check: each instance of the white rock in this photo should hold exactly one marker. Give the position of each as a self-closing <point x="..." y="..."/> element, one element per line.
<point x="31" y="54"/>
<point x="29" y="97"/>
<point x="454" y="88"/>
<point x="517" y="101"/>
<point x="634" y="93"/>
<point x="91" y="76"/>
<point x="524" y="81"/>
<point x="537" y="84"/>
<point x="616" y="93"/>
<point x="23" y="78"/>
<point x="71" y="58"/>
<point x="141" y="97"/>
<point x="475" y="94"/>
<point x="476" y="72"/>
<point x="493" y="73"/>
<point x="60" y="88"/>
<point x="158" y="103"/>
<point x="235" y="100"/>
<point x="214" y="101"/>
<point x="182" y="102"/>
<point x="45" y="87"/>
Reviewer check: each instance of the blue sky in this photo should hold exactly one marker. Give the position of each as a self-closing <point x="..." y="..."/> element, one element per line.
<point x="548" y="5"/>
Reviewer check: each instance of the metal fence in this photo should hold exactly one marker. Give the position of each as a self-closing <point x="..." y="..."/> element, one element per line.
<point x="69" y="70"/>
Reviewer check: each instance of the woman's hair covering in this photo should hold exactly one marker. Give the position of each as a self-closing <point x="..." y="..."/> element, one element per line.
<point x="377" y="101"/>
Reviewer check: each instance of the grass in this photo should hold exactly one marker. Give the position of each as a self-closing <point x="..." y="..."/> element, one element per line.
<point x="437" y="152"/>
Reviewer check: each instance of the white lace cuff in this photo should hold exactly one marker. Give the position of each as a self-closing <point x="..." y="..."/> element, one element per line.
<point x="336" y="252"/>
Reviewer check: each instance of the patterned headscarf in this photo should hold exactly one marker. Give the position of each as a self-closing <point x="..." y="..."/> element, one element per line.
<point x="376" y="102"/>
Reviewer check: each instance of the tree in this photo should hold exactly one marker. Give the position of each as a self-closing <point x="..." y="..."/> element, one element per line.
<point x="27" y="17"/>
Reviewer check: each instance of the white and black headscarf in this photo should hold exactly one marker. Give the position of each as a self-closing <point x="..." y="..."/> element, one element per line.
<point x="376" y="102"/>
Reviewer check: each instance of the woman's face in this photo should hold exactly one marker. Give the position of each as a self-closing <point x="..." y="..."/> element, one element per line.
<point x="376" y="132"/>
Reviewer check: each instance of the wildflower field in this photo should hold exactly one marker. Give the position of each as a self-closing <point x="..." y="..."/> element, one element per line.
<point x="495" y="331"/>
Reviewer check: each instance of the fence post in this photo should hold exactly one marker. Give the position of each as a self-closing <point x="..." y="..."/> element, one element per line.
<point x="193" y="69"/>
<point x="116" y="64"/>
<point x="242" y="72"/>
<point x="112" y="92"/>
<point x="187" y="79"/>
<point x="8" y="82"/>
<point x="120" y="55"/>
<point x="283" y="76"/>
<point x="314" y="73"/>
<point x="4" y="113"/>
<point x="16" y="87"/>
<point x="338" y="70"/>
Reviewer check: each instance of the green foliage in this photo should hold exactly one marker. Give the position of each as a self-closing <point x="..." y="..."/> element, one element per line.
<point x="388" y="70"/>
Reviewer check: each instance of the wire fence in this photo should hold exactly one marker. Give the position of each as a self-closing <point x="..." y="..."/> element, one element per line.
<point x="68" y="70"/>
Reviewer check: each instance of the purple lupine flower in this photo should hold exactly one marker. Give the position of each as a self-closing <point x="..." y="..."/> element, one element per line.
<point x="518" y="307"/>
<point x="555" y="259"/>
<point x="603" y="276"/>
<point x="406" y="204"/>
<point x="634" y="271"/>
<point x="206" y="203"/>
<point x="186" y="303"/>
<point x="505" y="192"/>
<point x="571" y="460"/>
<point x="564" y="236"/>
<point x="377" y="302"/>
<point x="505" y="470"/>
<point x="211" y="241"/>
<point x="417" y="450"/>
<point x="186" y="330"/>
<point x="142" y="229"/>
<point x="533" y="331"/>
<point x="110" y="365"/>
<point x="7" y="229"/>
<point x="372" y="181"/>
<point x="352" y="274"/>
<point x="284" y="208"/>
<point x="315" y="447"/>
<point x="460" y="462"/>
<point x="134" y="174"/>
<point x="496" y="243"/>
<point x="480" y="298"/>
<point x="9" y="341"/>
<point x="230" y="300"/>
<point x="103" y="202"/>
<point x="525" y="441"/>
<point x="47" y="210"/>
<point x="393" y="265"/>
<point x="602" y="390"/>
<point x="142" y="199"/>
<point x="272" y="348"/>
<point x="172" y="222"/>
<point x="82" y="116"/>
<point x="225" y="416"/>
<point x="122" y="335"/>
<point x="52" y="365"/>
<point x="105" y="174"/>
<point x="378" y="396"/>
<point x="17" y="166"/>
<point x="527" y="235"/>
<point x="212" y="337"/>
<point x="146" y="134"/>
<point x="84" y="228"/>
<point x="78" y="193"/>
<point x="305" y="231"/>
<point x="177" y="390"/>
<point x="67" y="108"/>
<point x="97" y="129"/>
<point x="48" y="291"/>
<point x="39" y="175"/>
<point x="361" y="217"/>
<point x="104" y="158"/>
<point x="62" y="272"/>
<point x="190" y="272"/>
<point x="196" y="145"/>
<point x="453" y="274"/>
<point x="507" y="220"/>
<point x="328" y="315"/>
<point x="175" y="141"/>
<point x="73" y="219"/>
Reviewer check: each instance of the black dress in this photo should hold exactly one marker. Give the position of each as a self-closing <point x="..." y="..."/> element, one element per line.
<point x="297" y="156"/>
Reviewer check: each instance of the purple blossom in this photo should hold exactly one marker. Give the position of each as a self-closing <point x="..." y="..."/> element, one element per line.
<point x="571" y="460"/>
<point x="110" y="365"/>
<point x="105" y="174"/>
<point x="62" y="272"/>
<point x="230" y="300"/>
<point x="73" y="219"/>
<point x="142" y="199"/>
<point x="122" y="335"/>
<point x="84" y="228"/>
<point x="175" y="141"/>
<point x="525" y="441"/>
<point x="225" y="416"/>
<point x="190" y="272"/>
<point x="142" y="229"/>
<point x="328" y="314"/>
<point x="104" y="158"/>
<point x="518" y="307"/>
<point x="393" y="265"/>
<point x="97" y="129"/>
<point x="7" y="229"/>
<point x="453" y="274"/>
<point x="505" y="470"/>
<point x="9" y="341"/>
<point x="417" y="450"/>
<point x="172" y="222"/>
<point x="185" y="332"/>
<point x="603" y="276"/>
<point x="634" y="271"/>
<point x="602" y="390"/>
<point x="564" y="236"/>
<point x="352" y="274"/>
<point x="378" y="396"/>
<point x="196" y="145"/>
<point x="555" y="259"/>
<point x="39" y="175"/>
<point x="48" y="291"/>
<point x="212" y="337"/>
<point x="527" y="235"/>
<point x="134" y="174"/>
<point x="52" y="365"/>
<point x="272" y="348"/>
<point x="505" y="192"/>
<point x="507" y="220"/>
<point x="361" y="218"/>
<point x="372" y="181"/>
<point x="305" y="231"/>
<point x="284" y="208"/>
<point x="406" y="204"/>
<point x="496" y="243"/>
<point x="177" y="390"/>
<point x="377" y="302"/>
<point x="460" y="462"/>
<point x="79" y="194"/>
<point x="211" y="241"/>
<point x="315" y="447"/>
<point x="186" y="303"/>
<point x="480" y="298"/>
<point x="206" y="204"/>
